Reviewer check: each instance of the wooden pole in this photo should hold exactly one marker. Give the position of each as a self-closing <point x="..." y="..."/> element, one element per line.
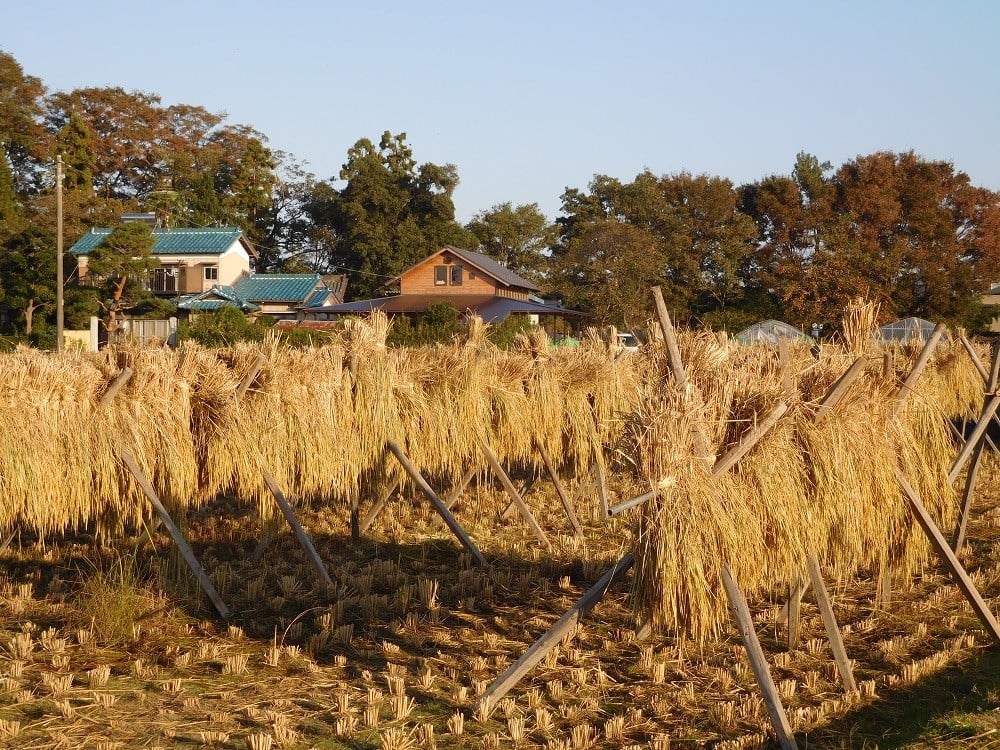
<point x="992" y="380"/>
<point x="744" y="624"/>
<point x="738" y="451"/>
<point x="459" y="488"/>
<point x="951" y="562"/>
<point x="925" y="354"/>
<point x="974" y="356"/>
<point x="677" y="367"/>
<point x="373" y="512"/>
<point x="992" y="403"/>
<point x="537" y="651"/>
<point x="602" y="482"/>
<point x="116" y="385"/>
<point x="175" y="533"/>
<point x="830" y="623"/>
<point x="507" y="512"/>
<point x="516" y="498"/>
<point x="252" y="373"/>
<point x="449" y="519"/>
<point x="839" y="389"/>
<point x="792" y="612"/>
<point x="564" y="498"/>
<point x="293" y="521"/>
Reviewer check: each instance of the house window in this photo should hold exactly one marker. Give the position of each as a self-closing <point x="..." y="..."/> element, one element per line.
<point x="440" y="275"/>
<point x="456" y="275"/>
<point x="211" y="273"/>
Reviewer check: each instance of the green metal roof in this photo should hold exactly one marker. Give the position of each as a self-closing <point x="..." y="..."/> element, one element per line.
<point x="183" y="241"/>
<point x="276" y="287"/>
<point x="217" y="297"/>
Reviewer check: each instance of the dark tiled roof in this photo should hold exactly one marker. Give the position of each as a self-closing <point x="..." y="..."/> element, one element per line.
<point x="489" y="308"/>
<point x="217" y="297"/>
<point x="484" y="263"/>
<point x="185" y="241"/>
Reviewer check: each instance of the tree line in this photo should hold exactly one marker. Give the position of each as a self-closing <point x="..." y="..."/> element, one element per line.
<point x="914" y="234"/>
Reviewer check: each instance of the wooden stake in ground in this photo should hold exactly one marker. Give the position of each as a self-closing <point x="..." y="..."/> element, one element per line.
<point x="161" y="512"/>
<point x="377" y="507"/>
<point x="951" y="562"/>
<point x="175" y="533"/>
<point x="293" y="521"/>
<point x="992" y="381"/>
<point x="502" y="685"/>
<point x="564" y="498"/>
<point x="526" y="514"/>
<point x="830" y="623"/>
<point x="449" y="519"/>
<point x="744" y="624"/>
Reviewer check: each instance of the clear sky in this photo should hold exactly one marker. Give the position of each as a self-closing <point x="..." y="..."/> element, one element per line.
<point x="529" y="98"/>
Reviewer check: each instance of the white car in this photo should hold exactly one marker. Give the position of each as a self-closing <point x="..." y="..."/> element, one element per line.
<point x="628" y="342"/>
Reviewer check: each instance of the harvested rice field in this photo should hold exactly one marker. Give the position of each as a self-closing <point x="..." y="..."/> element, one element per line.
<point x="107" y="641"/>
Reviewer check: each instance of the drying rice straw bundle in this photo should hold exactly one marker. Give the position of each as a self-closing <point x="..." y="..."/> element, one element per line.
<point x="45" y="410"/>
<point x="952" y="381"/>
<point x="151" y="418"/>
<point x="690" y="528"/>
<point x="513" y="415"/>
<point x="851" y="457"/>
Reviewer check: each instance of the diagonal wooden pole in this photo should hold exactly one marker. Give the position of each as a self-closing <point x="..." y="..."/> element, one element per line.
<point x="161" y="512"/>
<point x="992" y="381"/>
<point x="449" y="519"/>
<point x="379" y="504"/>
<point x="525" y="512"/>
<point x="906" y="388"/>
<point x="536" y="652"/>
<point x="830" y="623"/>
<point x="175" y="533"/>
<point x="958" y="573"/>
<point x="293" y="521"/>
<point x="564" y="498"/>
<point x="992" y="404"/>
<point x="744" y="623"/>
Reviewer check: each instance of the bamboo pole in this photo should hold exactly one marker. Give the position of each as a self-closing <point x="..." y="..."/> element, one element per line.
<point x="251" y="375"/>
<point x="839" y="389"/>
<point x="744" y="624"/>
<point x="747" y="442"/>
<point x="373" y="512"/>
<point x="992" y="403"/>
<point x="449" y="519"/>
<point x="459" y="488"/>
<point x="537" y="651"/>
<point x="958" y="573"/>
<point x="116" y="385"/>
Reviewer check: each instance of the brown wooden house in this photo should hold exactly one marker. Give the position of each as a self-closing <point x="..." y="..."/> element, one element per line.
<point x="475" y="283"/>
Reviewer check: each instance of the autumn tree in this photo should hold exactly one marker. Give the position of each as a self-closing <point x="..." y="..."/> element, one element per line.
<point x="122" y="261"/>
<point x="23" y="136"/>
<point x="518" y="236"/>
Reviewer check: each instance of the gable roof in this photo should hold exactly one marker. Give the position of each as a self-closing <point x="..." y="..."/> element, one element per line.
<point x="769" y="331"/>
<point x="176" y="241"/>
<point x="217" y="297"/>
<point x="483" y="263"/>
<point x="277" y="287"/>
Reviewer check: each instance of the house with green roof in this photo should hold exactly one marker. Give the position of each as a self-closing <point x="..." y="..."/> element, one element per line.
<point x="282" y="296"/>
<point x="192" y="259"/>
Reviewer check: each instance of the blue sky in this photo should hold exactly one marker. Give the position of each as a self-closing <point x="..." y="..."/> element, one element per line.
<point x="529" y="98"/>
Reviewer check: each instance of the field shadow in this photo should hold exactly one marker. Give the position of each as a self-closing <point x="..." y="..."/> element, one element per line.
<point x="932" y="707"/>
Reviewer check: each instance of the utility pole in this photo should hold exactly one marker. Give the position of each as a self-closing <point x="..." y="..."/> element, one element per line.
<point x="59" y="256"/>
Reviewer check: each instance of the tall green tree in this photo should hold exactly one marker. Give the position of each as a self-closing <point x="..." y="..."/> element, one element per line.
<point x="75" y="144"/>
<point x="518" y="236"/>
<point x="390" y="214"/>
<point x="122" y="261"/>
<point x="28" y="274"/>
